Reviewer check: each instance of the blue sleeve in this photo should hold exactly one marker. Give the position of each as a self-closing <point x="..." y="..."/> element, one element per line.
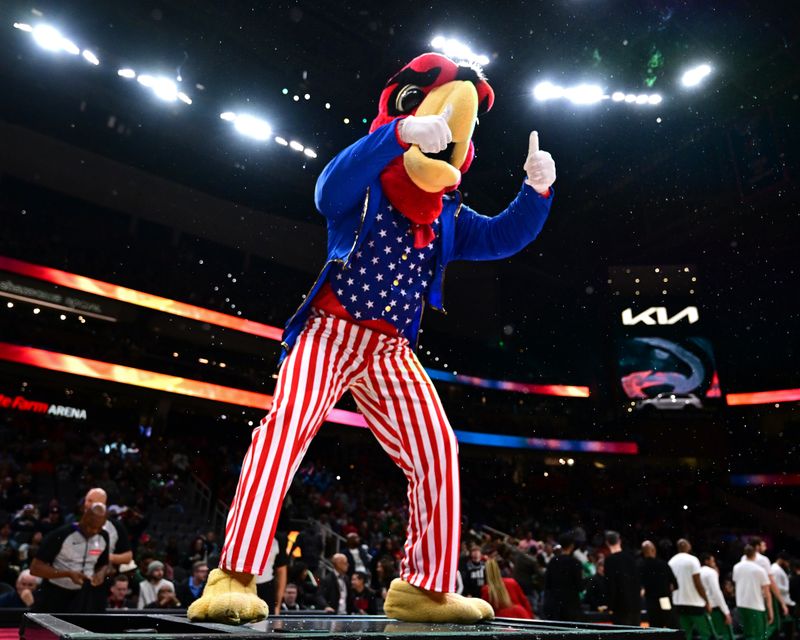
<point x="344" y="181"/>
<point x="480" y="237"/>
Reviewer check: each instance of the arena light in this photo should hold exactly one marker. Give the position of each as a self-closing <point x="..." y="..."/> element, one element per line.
<point x="310" y="152"/>
<point x="282" y="141"/>
<point x="126" y="73"/>
<point x="695" y="75"/>
<point x="584" y="94"/>
<point x="228" y="116"/>
<point x="47" y="37"/>
<point x="294" y="144"/>
<point x="252" y="127"/>
<point x="90" y="57"/>
<point x="457" y="50"/>
<point x="547" y="91"/>
<point x="587" y="94"/>
<point x="165" y="89"/>
<point x="23" y="26"/>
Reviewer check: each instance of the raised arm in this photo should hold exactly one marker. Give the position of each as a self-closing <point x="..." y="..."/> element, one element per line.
<point x="483" y="238"/>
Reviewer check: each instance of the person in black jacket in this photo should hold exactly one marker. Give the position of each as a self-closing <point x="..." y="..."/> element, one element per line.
<point x="624" y="584"/>
<point x="658" y="582"/>
<point x="361" y="599"/>
<point x="562" y="584"/>
<point x="334" y="587"/>
<point x="192" y="588"/>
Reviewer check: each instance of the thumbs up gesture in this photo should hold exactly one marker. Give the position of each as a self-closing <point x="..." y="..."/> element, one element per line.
<point x="539" y="166"/>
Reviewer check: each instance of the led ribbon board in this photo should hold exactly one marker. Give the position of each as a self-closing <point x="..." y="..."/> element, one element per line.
<point x="122" y="374"/>
<point x="766" y="480"/>
<point x="166" y="305"/>
<point x="138" y="298"/>
<point x="563" y="390"/>
<point x="763" y="397"/>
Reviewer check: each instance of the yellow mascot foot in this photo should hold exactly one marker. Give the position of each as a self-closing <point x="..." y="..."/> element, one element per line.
<point x="227" y="600"/>
<point x="411" y="604"/>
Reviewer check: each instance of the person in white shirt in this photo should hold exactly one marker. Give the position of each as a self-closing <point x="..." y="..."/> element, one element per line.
<point x="720" y="613"/>
<point x="780" y="610"/>
<point x="690" y="599"/>
<point x="753" y="597"/>
<point x="780" y="576"/>
<point x="148" y="589"/>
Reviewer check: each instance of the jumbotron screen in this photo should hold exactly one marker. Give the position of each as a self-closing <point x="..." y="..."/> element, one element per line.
<point x="675" y="370"/>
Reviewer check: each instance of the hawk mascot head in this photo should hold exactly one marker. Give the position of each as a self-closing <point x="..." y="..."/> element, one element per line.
<point x="431" y="84"/>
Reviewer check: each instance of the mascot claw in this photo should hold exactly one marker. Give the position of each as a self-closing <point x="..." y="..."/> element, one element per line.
<point x="411" y="604"/>
<point x="227" y="600"/>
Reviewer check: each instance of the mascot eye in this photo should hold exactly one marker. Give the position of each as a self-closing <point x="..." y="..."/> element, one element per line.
<point x="409" y="98"/>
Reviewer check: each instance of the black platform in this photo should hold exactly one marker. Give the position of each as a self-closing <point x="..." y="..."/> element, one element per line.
<point x="40" y="626"/>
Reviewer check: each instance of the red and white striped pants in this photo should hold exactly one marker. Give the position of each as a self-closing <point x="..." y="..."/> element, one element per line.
<point x="402" y="410"/>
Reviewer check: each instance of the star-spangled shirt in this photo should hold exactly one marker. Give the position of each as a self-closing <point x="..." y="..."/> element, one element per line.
<point x="387" y="278"/>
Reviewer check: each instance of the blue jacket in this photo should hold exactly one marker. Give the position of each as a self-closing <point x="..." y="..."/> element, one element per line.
<point x="348" y="194"/>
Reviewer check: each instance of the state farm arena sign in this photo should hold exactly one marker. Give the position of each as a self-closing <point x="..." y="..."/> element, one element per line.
<point x="20" y="403"/>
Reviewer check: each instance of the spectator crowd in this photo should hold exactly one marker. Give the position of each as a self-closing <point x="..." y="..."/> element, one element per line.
<point x="341" y="539"/>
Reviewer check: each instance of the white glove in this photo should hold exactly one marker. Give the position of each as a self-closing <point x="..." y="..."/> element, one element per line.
<point x="539" y="166"/>
<point x="431" y="133"/>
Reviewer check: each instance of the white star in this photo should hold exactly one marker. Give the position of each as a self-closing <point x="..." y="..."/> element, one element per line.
<point x="393" y="303"/>
<point x="421" y="255"/>
<point x="410" y="280"/>
<point x="349" y="282"/>
<point x="424" y="285"/>
<point x="392" y="266"/>
<point x="379" y="277"/>
<point x="412" y="266"/>
<point x="371" y="244"/>
<point x="429" y="245"/>
<point x="416" y="295"/>
<point x="358" y="254"/>
<point x="375" y="260"/>
<point x="406" y="307"/>
<point x="394" y="318"/>
<point x="387" y="250"/>
<point x="394" y="223"/>
<point x="362" y="271"/>
<point x="399" y="277"/>
<point x="357" y="315"/>
<point x="403" y="292"/>
<point x="399" y="239"/>
<point x="390" y="208"/>
<point x="382" y="233"/>
<point x="338" y="276"/>
<point x="430" y="272"/>
<point x="379" y="217"/>
<point x="353" y="298"/>
<point x="340" y="292"/>
<point x="408" y="249"/>
<point x="419" y="269"/>
<point x="382" y="294"/>
<point x="370" y="304"/>
<point x="365" y="287"/>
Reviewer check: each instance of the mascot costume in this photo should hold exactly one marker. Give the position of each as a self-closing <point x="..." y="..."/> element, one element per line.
<point x="394" y="220"/>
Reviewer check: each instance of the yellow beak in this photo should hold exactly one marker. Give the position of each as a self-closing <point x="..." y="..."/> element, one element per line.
<point x="433" y="175"/>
